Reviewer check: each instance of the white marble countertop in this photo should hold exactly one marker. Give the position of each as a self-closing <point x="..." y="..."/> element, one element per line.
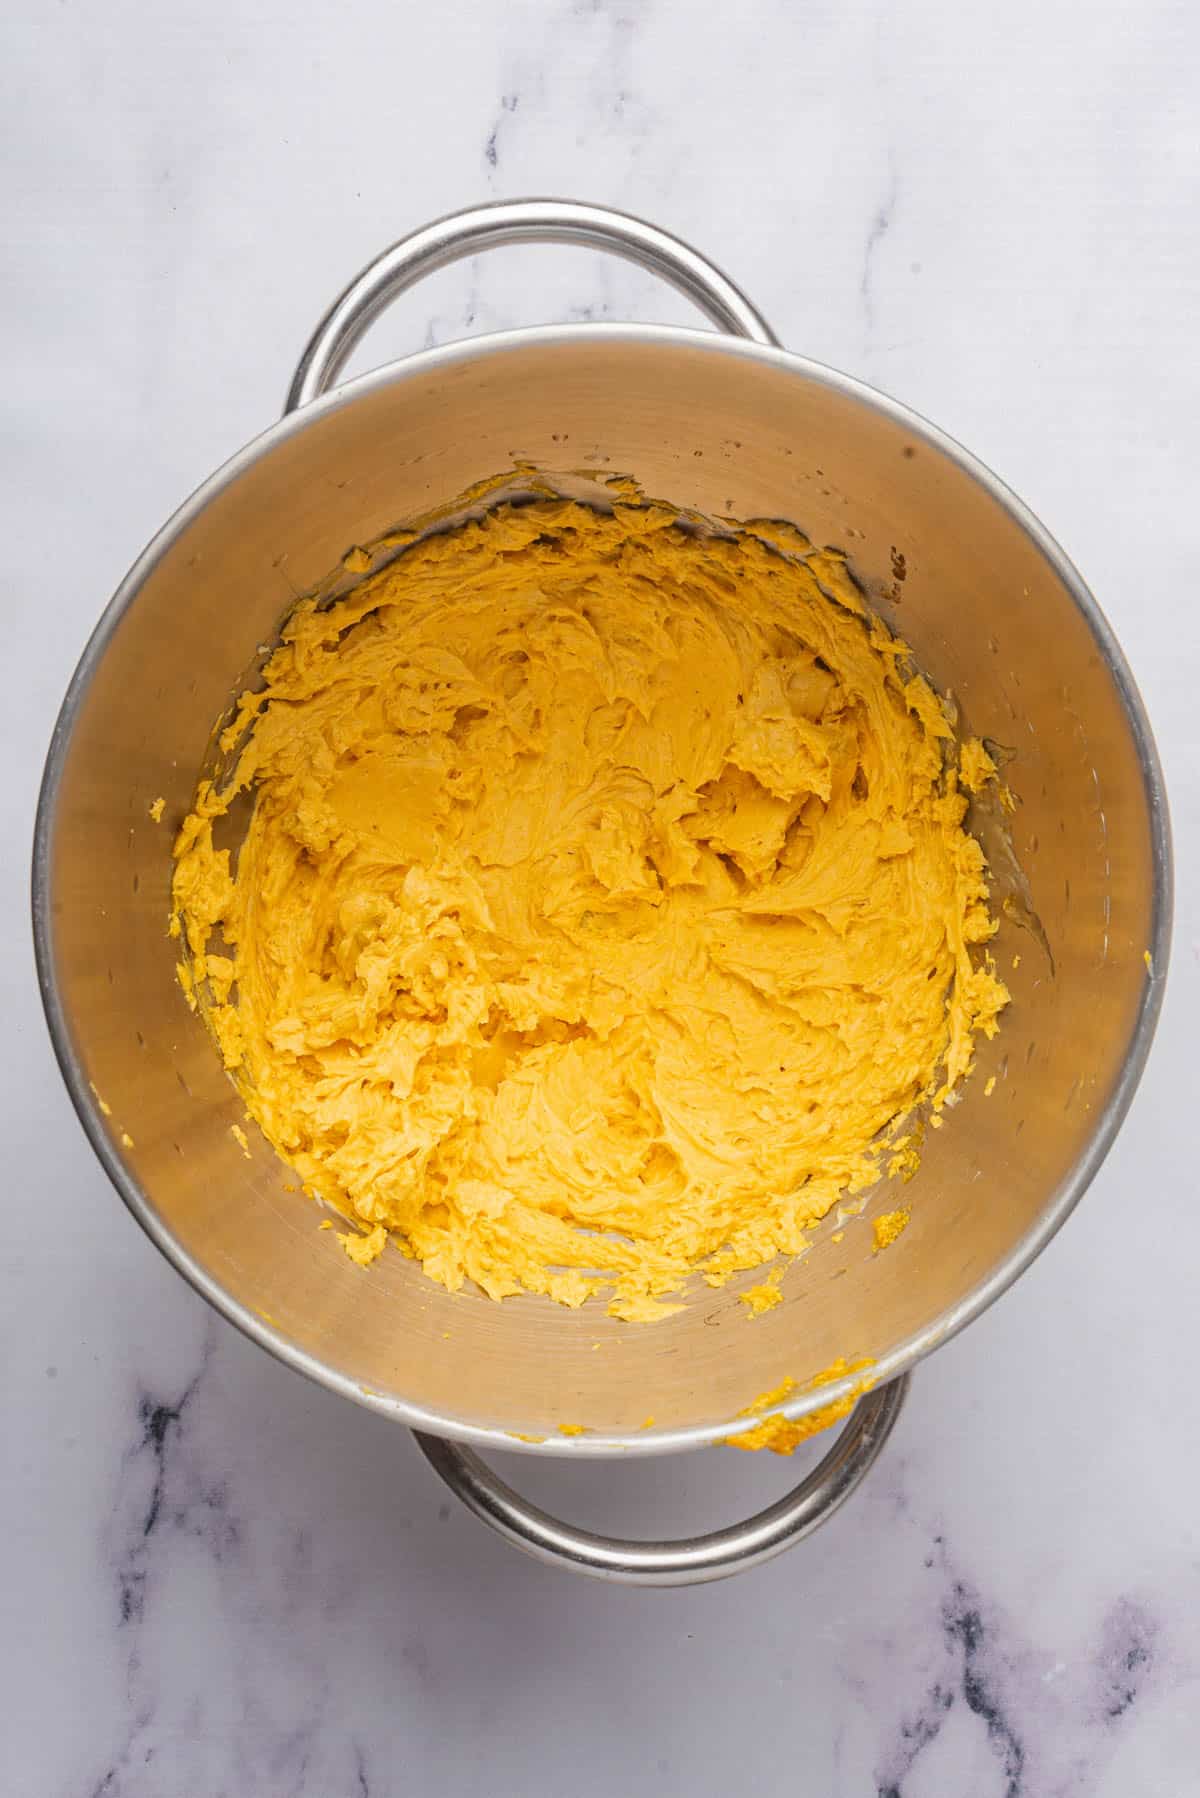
<point x="219" y="1580"/>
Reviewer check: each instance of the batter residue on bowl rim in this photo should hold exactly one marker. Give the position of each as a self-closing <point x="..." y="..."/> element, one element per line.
<point x="605" y="907"/>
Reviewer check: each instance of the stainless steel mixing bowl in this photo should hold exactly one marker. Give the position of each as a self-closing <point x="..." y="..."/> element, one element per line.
<point x="733" y="426"/>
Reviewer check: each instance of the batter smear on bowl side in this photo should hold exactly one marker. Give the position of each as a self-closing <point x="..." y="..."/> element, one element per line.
<point x="605" y="905"/>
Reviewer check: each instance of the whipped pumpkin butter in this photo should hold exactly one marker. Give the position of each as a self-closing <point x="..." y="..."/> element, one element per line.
<point x="605" y="905"/>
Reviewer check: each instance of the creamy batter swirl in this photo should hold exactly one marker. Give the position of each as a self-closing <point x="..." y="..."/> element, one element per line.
<point x="605" y="906"/>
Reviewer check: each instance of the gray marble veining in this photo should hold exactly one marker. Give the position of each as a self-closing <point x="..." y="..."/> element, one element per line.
<point x="222" y="1581"/>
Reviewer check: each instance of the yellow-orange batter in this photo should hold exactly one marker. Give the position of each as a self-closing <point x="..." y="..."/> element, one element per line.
<point x="605" y="904"/>
<point x="781" y="1434"/>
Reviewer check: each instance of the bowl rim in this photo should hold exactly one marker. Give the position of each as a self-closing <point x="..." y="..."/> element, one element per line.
<point x="919" y="1343"/>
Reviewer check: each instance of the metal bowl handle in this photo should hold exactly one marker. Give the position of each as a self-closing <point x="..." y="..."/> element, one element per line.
<point x="697" y="1559"/>
<point x="479" y="228"/>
